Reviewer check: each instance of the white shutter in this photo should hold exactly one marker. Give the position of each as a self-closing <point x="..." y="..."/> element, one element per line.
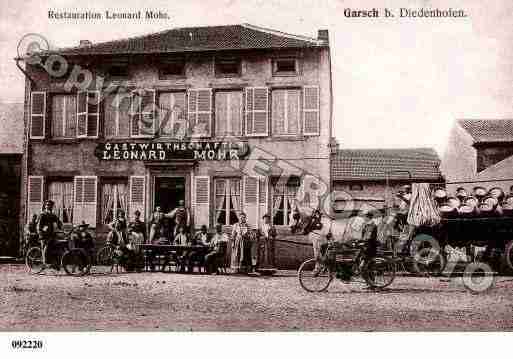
<point x="201" y="200"/>
<point x="82" y="114"/>
<point x="256" y="111"/>
<point x="137" y="195"/>
<point x="311" y="123"/>
<point x="93" y="113"/>
<point x="35" y="187"/>
<point x="199" y="112"/>
<point x="250" y="199"/>
<point x="262" y="197"/>
<point x="85" y="200"/>
<point x="37" y="114"/>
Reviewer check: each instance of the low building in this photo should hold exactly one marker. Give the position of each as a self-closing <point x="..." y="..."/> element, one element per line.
<point x="11" y="145"/>
<point x="479" y="153"/>
<point x="360" y="176"/>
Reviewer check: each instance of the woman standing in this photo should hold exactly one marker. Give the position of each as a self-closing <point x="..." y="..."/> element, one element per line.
<point x="240" y="233"/>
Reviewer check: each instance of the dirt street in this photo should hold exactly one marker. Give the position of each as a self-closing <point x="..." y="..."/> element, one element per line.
<point x="167" y="301"/>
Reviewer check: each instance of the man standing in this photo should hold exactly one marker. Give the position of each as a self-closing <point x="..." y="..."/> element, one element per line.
<point x="181" y="215"/>
<point x="46" y="228"/>
<point x="156" y="225"/>
<point x="267" y="236"/>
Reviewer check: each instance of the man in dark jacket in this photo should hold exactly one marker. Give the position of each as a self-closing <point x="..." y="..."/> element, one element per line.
<point x="46" y="228"/>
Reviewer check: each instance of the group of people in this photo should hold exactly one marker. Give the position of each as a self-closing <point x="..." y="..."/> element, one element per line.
<point x="42" y="228"/>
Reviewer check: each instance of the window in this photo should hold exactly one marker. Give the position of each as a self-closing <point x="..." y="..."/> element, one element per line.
<point x="114" y="198"/>
<point x="118" y="71"/>
<point x="64" y="116"/>
<point x="61" y="193"/>
<point x="227" y="200"/>
<point x="173" y="122"/>
<point x="356" y="187"/>
<point x="88" y="107"/>
<point x="142" y="113"/>
<point x="285" y="66"/>
<point x="285" y="111"/>
<point x="284" y="200"/>
<point x="228" y="108"/>
<point x="228" y="66"/>
<point x="172" y="68"/>
<point x="117" y="115"/>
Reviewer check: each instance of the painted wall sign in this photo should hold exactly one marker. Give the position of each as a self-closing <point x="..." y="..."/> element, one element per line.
<point x="167" y="151"/>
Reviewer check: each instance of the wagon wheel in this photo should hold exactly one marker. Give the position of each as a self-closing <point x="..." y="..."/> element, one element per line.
<point x="105" y="257"/>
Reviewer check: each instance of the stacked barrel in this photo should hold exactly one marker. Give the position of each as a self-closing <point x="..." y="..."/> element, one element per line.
<point x="481" y="202"/>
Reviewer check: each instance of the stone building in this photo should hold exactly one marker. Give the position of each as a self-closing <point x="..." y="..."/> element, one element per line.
<point x="227" y="118"/>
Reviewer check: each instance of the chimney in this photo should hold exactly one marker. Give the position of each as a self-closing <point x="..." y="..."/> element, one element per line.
<point x="323" y="35"/>
<point x="85" y="43"/>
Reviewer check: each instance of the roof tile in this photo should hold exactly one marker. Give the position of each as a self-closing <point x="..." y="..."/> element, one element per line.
<point x="488" y="130"/>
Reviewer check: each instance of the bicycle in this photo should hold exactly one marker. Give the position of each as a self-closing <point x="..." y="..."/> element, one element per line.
<point x="346" y="262"/>
<point x="74" y="261"/>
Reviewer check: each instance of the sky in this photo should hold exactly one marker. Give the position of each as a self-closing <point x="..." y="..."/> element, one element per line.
<point x="396" y="82"/>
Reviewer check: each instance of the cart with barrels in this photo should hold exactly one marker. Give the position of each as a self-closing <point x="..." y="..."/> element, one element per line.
<point x="478" y="223"/>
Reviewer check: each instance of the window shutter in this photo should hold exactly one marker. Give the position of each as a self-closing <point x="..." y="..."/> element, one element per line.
<point x="93" y="113"/>
<point x="311" y="126"/>
<point x="37" y="114"/>
<point x="34" y="196"/>
<point x="201" y="202"/>
<point x="250" y="191"/>
<point x="85" y="197"/>
<point x="200" y="112"/>
<point x="137" y="195"/>
<point x="135" y="114"/>
<point x="257" y="104"/>
<point x="262" y="197"/>
<point x="82" y="114"/>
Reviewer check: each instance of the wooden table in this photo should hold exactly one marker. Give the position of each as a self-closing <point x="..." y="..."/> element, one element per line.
<point x="171" y="253"/>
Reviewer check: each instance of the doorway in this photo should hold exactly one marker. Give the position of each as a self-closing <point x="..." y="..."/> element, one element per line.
<point x="168" y="191"/>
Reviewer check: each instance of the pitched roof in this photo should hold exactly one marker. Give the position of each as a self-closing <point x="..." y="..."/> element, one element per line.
<point x="374" y="164"/>
<point x="11" y="128"/>
<point x="488" y="130"/>
<point x="187" y="39"/>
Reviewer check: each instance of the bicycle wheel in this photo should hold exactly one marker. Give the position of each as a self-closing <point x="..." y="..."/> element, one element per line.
<point x="314" y="279"/>
<point x="34" y="260"/>
<point x="105" y="256"/>
<point x="379" y="272"/>
<point x="75" y="262"/>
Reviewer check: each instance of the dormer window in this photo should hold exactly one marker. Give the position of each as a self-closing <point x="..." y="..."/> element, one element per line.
<point x="285" y="66"/>
<point x="228" y="66"/>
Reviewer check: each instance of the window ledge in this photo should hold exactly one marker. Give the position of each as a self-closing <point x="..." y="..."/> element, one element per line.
<point x="286" y="138"/>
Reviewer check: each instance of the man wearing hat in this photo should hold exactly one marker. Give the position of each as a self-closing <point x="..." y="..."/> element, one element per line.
<point x="46" y="228"/>
<point x="267" y="235"/>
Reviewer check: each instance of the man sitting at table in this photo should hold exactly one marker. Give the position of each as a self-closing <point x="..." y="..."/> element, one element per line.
<point x="216" y="250"/>
<point x="202" y="238"/>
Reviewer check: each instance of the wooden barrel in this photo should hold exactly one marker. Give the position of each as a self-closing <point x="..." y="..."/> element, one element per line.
<point x="448" y="211"/>
<point x="479" y="192"/>
<point x="454" y="202"/>
<point x="467" y="211"/>
<point x="461" y="193"/>
<point x="507" y="206"/>
<point x="496" y="192"/>
<point x="440" y="193"/>
<point x="508" y="200"/>
<point x="471" y="201"/>
<point x="485" y="209"/>
<point x="490" y="201"/>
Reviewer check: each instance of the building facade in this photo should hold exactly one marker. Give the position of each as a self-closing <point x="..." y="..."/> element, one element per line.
<point x="226" y="118"/>
<point x="479" y="153"/>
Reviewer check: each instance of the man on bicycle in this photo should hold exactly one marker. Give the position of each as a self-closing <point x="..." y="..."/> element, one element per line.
<point x="46" y="228"/>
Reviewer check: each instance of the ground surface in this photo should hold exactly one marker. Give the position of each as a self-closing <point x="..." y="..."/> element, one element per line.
<point x="166" y="301"/>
